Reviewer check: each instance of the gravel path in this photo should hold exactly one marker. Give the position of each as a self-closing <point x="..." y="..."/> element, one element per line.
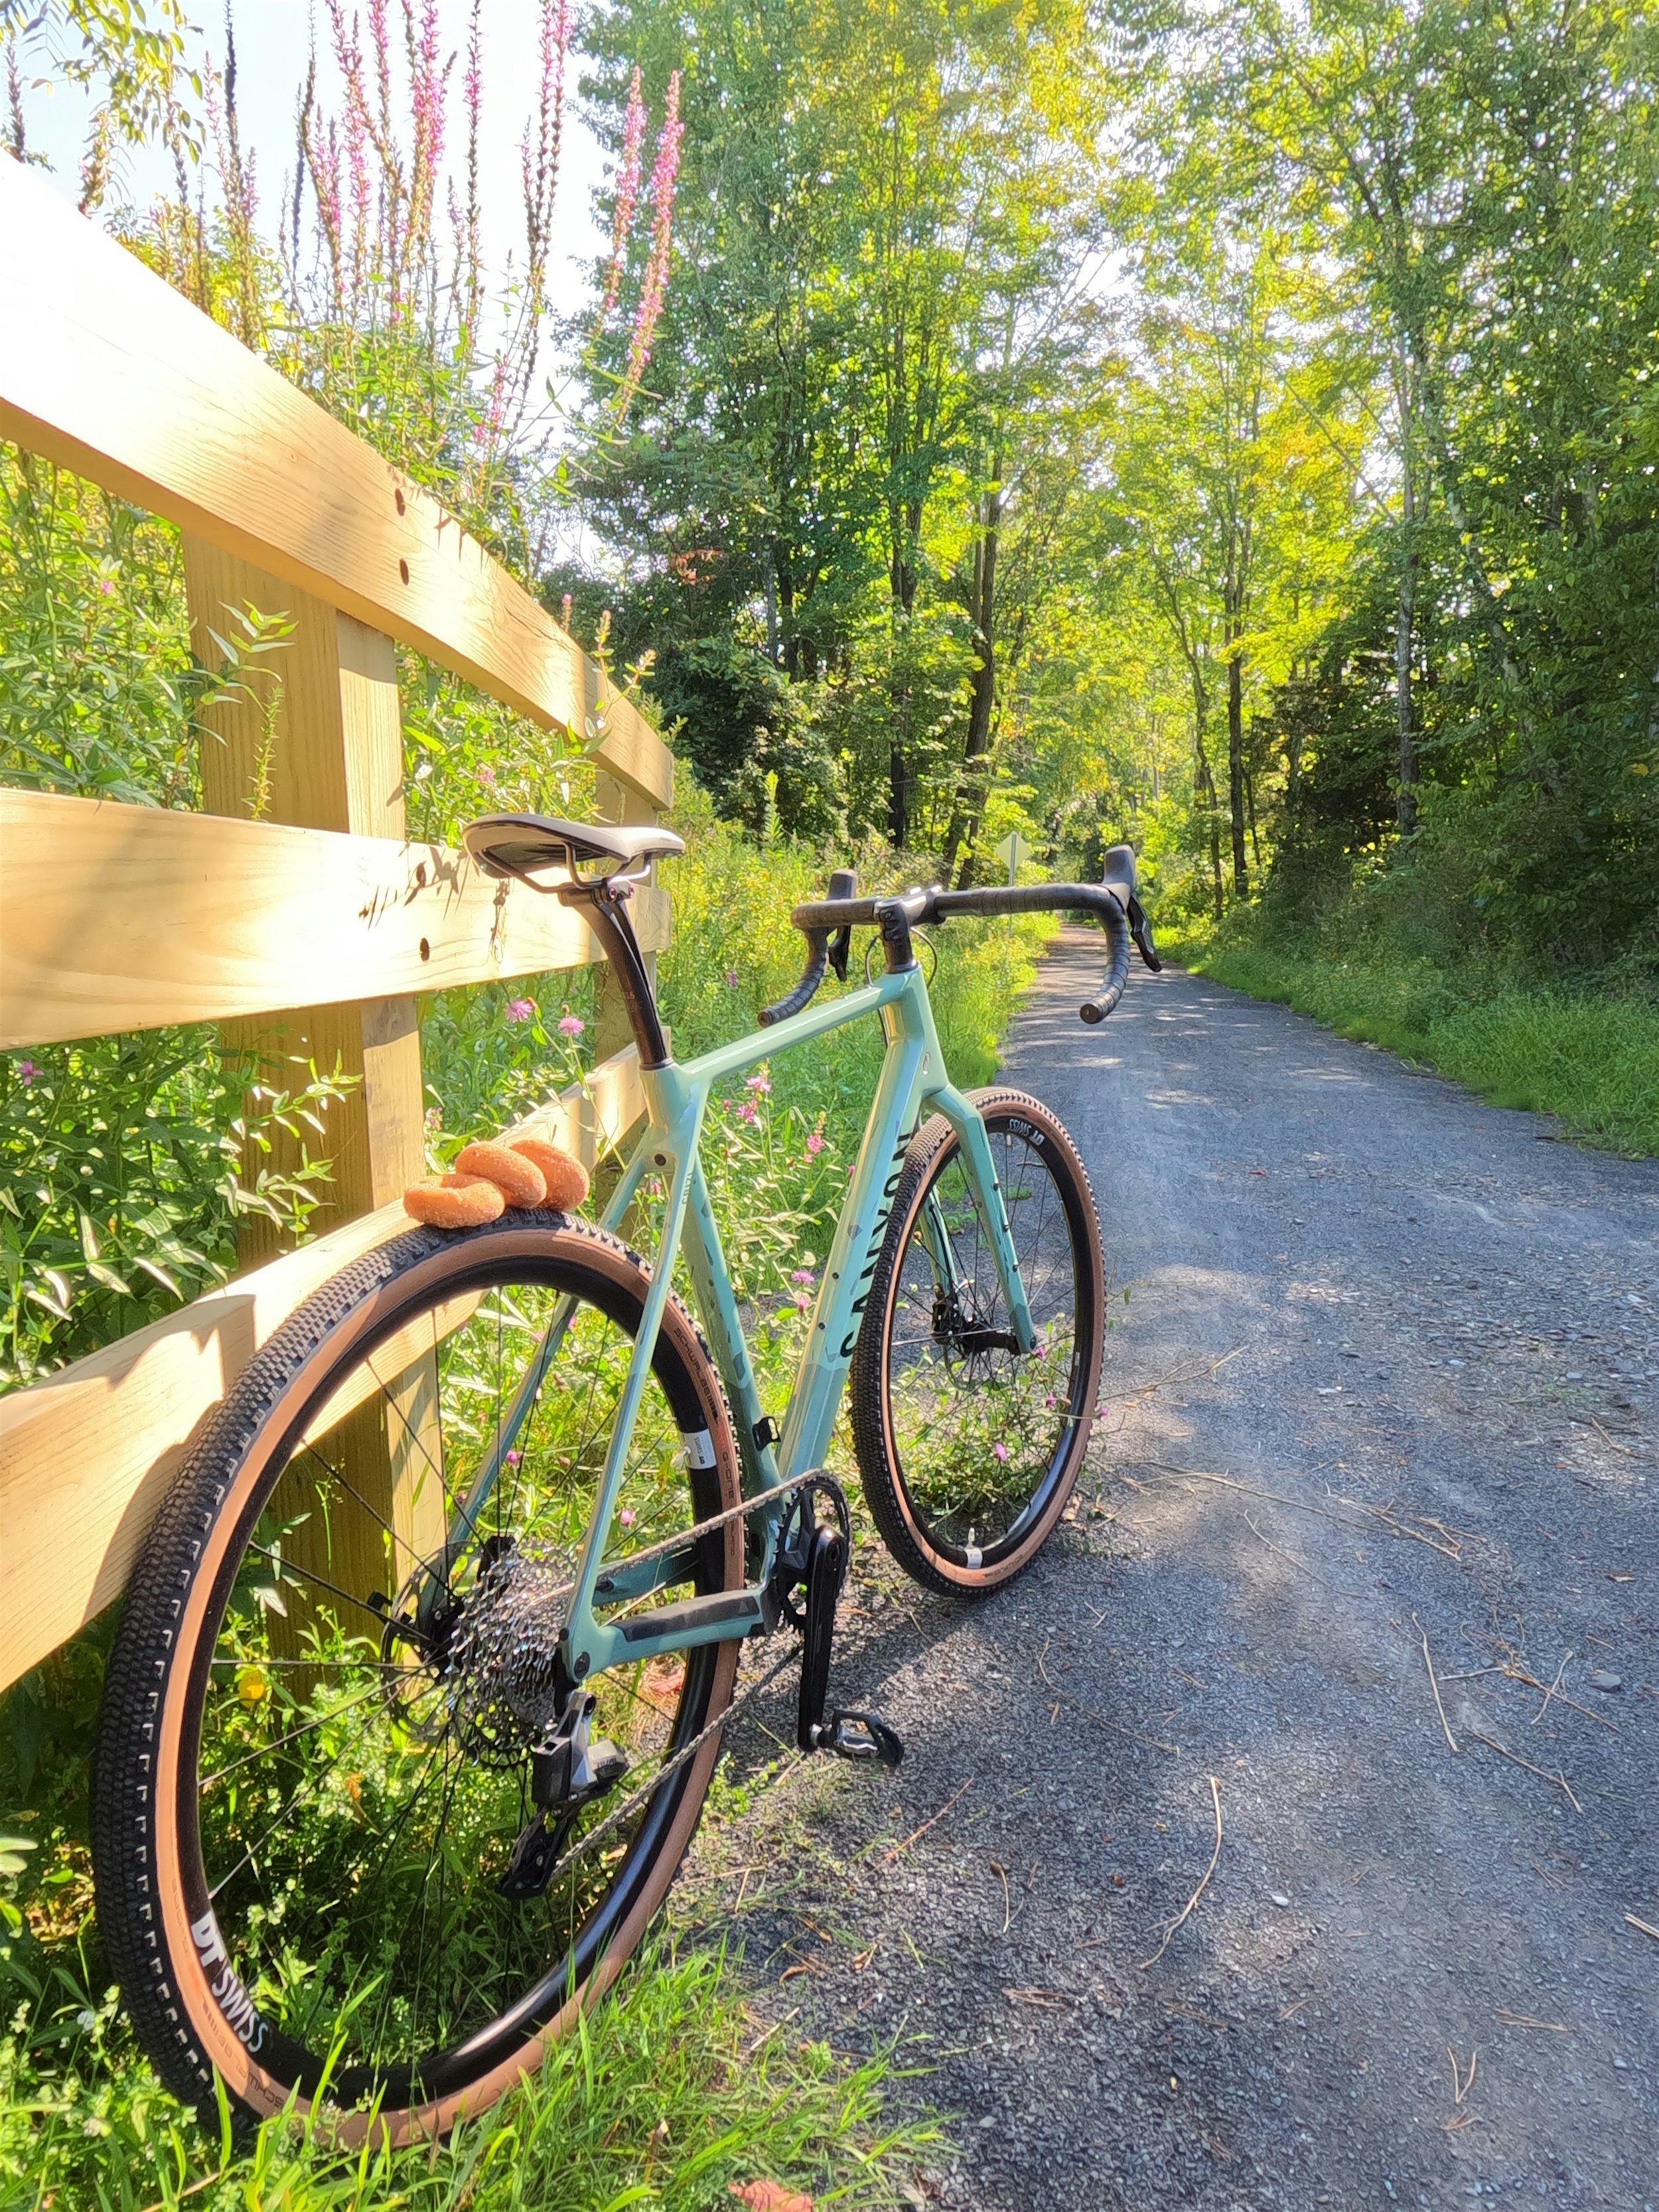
<point x="1432" y="1337"/>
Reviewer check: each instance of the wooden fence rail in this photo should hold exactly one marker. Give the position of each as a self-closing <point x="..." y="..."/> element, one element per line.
<point x="315" y="927"/>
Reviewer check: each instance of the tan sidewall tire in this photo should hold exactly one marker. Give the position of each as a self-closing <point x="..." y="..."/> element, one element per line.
<point x="879" y="1456"/>
<point x="259" y="2090"/>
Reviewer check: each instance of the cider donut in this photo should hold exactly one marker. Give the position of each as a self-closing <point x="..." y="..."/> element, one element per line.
<point x="565" y="1177"/>
<point x="455" y="1201"/>
<point x="519" y="1179"/>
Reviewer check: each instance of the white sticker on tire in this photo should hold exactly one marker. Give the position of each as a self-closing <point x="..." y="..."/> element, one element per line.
<point x="225" y="1987"/>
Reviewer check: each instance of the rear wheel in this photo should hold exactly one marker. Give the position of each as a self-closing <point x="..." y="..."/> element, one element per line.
<point x="969" y="1447"/>
<point x="309" y="1787"/>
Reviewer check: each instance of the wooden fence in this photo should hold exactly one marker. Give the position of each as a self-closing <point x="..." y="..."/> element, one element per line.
<point x="318" y="923"/>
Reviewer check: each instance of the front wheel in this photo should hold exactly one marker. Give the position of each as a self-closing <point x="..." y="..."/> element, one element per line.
<point x="968" y="1447"/>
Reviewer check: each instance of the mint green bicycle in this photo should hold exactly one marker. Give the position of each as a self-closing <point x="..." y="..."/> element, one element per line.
<point x="383" y="1798"/>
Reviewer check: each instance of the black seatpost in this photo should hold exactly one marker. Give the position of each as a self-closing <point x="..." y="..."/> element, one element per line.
<point x="605" y="904"/>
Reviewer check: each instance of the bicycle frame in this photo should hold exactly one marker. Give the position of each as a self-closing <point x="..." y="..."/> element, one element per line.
<point x="913" y="1081"/>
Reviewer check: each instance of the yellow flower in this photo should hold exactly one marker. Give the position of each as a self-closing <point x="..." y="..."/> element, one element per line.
<point x="252" y="1685"/>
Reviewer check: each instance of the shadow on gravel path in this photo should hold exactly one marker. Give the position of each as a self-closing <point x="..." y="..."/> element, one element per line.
<point x="1386" y="1375"/>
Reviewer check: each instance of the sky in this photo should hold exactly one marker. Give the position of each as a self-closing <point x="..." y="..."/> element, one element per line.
<point x="273" y="41"/>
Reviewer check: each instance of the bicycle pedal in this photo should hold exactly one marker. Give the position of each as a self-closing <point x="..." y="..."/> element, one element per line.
<point x="859" y="1735"/>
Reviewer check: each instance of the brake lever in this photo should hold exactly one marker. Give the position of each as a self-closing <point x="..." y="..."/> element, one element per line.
<point x="1141" y="930"/>
<point x="843" y="884"/>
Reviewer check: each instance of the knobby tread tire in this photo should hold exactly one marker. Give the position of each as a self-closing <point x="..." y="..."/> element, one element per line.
<point x="879" y="1472"/>
<point x="122" y="1809"/>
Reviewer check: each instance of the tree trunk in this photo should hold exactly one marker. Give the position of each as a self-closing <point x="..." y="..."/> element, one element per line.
<point x="1405" y="616"/>
<point x="981" y="698"/>
<point x="1212" y="808"/>
<point x="770" y="571"/>
<point x="1406" y="805"/>
<point x="1235" y="772"/>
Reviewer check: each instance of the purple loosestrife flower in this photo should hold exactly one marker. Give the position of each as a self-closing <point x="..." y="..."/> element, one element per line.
<point x="427" y="93"/>
<point x="521" y="1010"/>
<point x="759" y="1081"/>
<point x="815" y="1144"/>
<point x="540" y="167"/>
<point x="746" y="1112"/>
<point x="628" y="192"/>
<point x="664" y="172"/>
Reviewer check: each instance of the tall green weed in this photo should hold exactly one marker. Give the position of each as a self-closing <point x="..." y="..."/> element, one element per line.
<point x="1590" y="1057"/>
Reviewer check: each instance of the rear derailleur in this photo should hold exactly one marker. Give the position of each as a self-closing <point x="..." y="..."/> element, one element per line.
<point x="811" y="1559"/>
<point x="567" y="1772"/>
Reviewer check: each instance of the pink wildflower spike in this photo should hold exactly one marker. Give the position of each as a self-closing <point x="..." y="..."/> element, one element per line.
<point x="521" y="1010"/>
<point x="802" y="1275"/>
<point x="999" y="1451"/>
<point x="664" y="171"/>
<point x="628" y="192"/>
<point x="747" y="1111"/>
<point x="759" y="1082"/>
<point x="486" y="775"/>
<point x="1048" y="1402"/>
<point x="571" y="1025"/>
<point x="814" y="1145"/>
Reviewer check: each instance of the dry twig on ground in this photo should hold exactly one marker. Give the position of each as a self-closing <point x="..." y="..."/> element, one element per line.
<point x="1215" y="1793"/>
<point x="1435" y="1686"/>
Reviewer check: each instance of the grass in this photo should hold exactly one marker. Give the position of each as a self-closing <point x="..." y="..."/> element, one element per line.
<point x="1588" y="1058"/>
<point x="671" y="2093"/>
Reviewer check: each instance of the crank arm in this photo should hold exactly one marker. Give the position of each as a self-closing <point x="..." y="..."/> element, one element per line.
<point x="847" y="1735"/>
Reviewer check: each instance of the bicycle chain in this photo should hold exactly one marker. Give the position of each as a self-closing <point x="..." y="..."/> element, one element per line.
<point x="618" y="1813"/>
<point x="701" y="1529"/>
<point x="642" y="1796"/>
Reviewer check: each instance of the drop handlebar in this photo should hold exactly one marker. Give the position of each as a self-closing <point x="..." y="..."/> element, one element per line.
<point x="827" y="924"/>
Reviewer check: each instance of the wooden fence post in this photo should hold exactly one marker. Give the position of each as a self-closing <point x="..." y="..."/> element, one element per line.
<point x="317" y="740"/>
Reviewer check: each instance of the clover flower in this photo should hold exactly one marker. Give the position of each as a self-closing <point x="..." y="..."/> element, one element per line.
<point x="521" y="1010"/>
<point x="571" y="1025"/>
